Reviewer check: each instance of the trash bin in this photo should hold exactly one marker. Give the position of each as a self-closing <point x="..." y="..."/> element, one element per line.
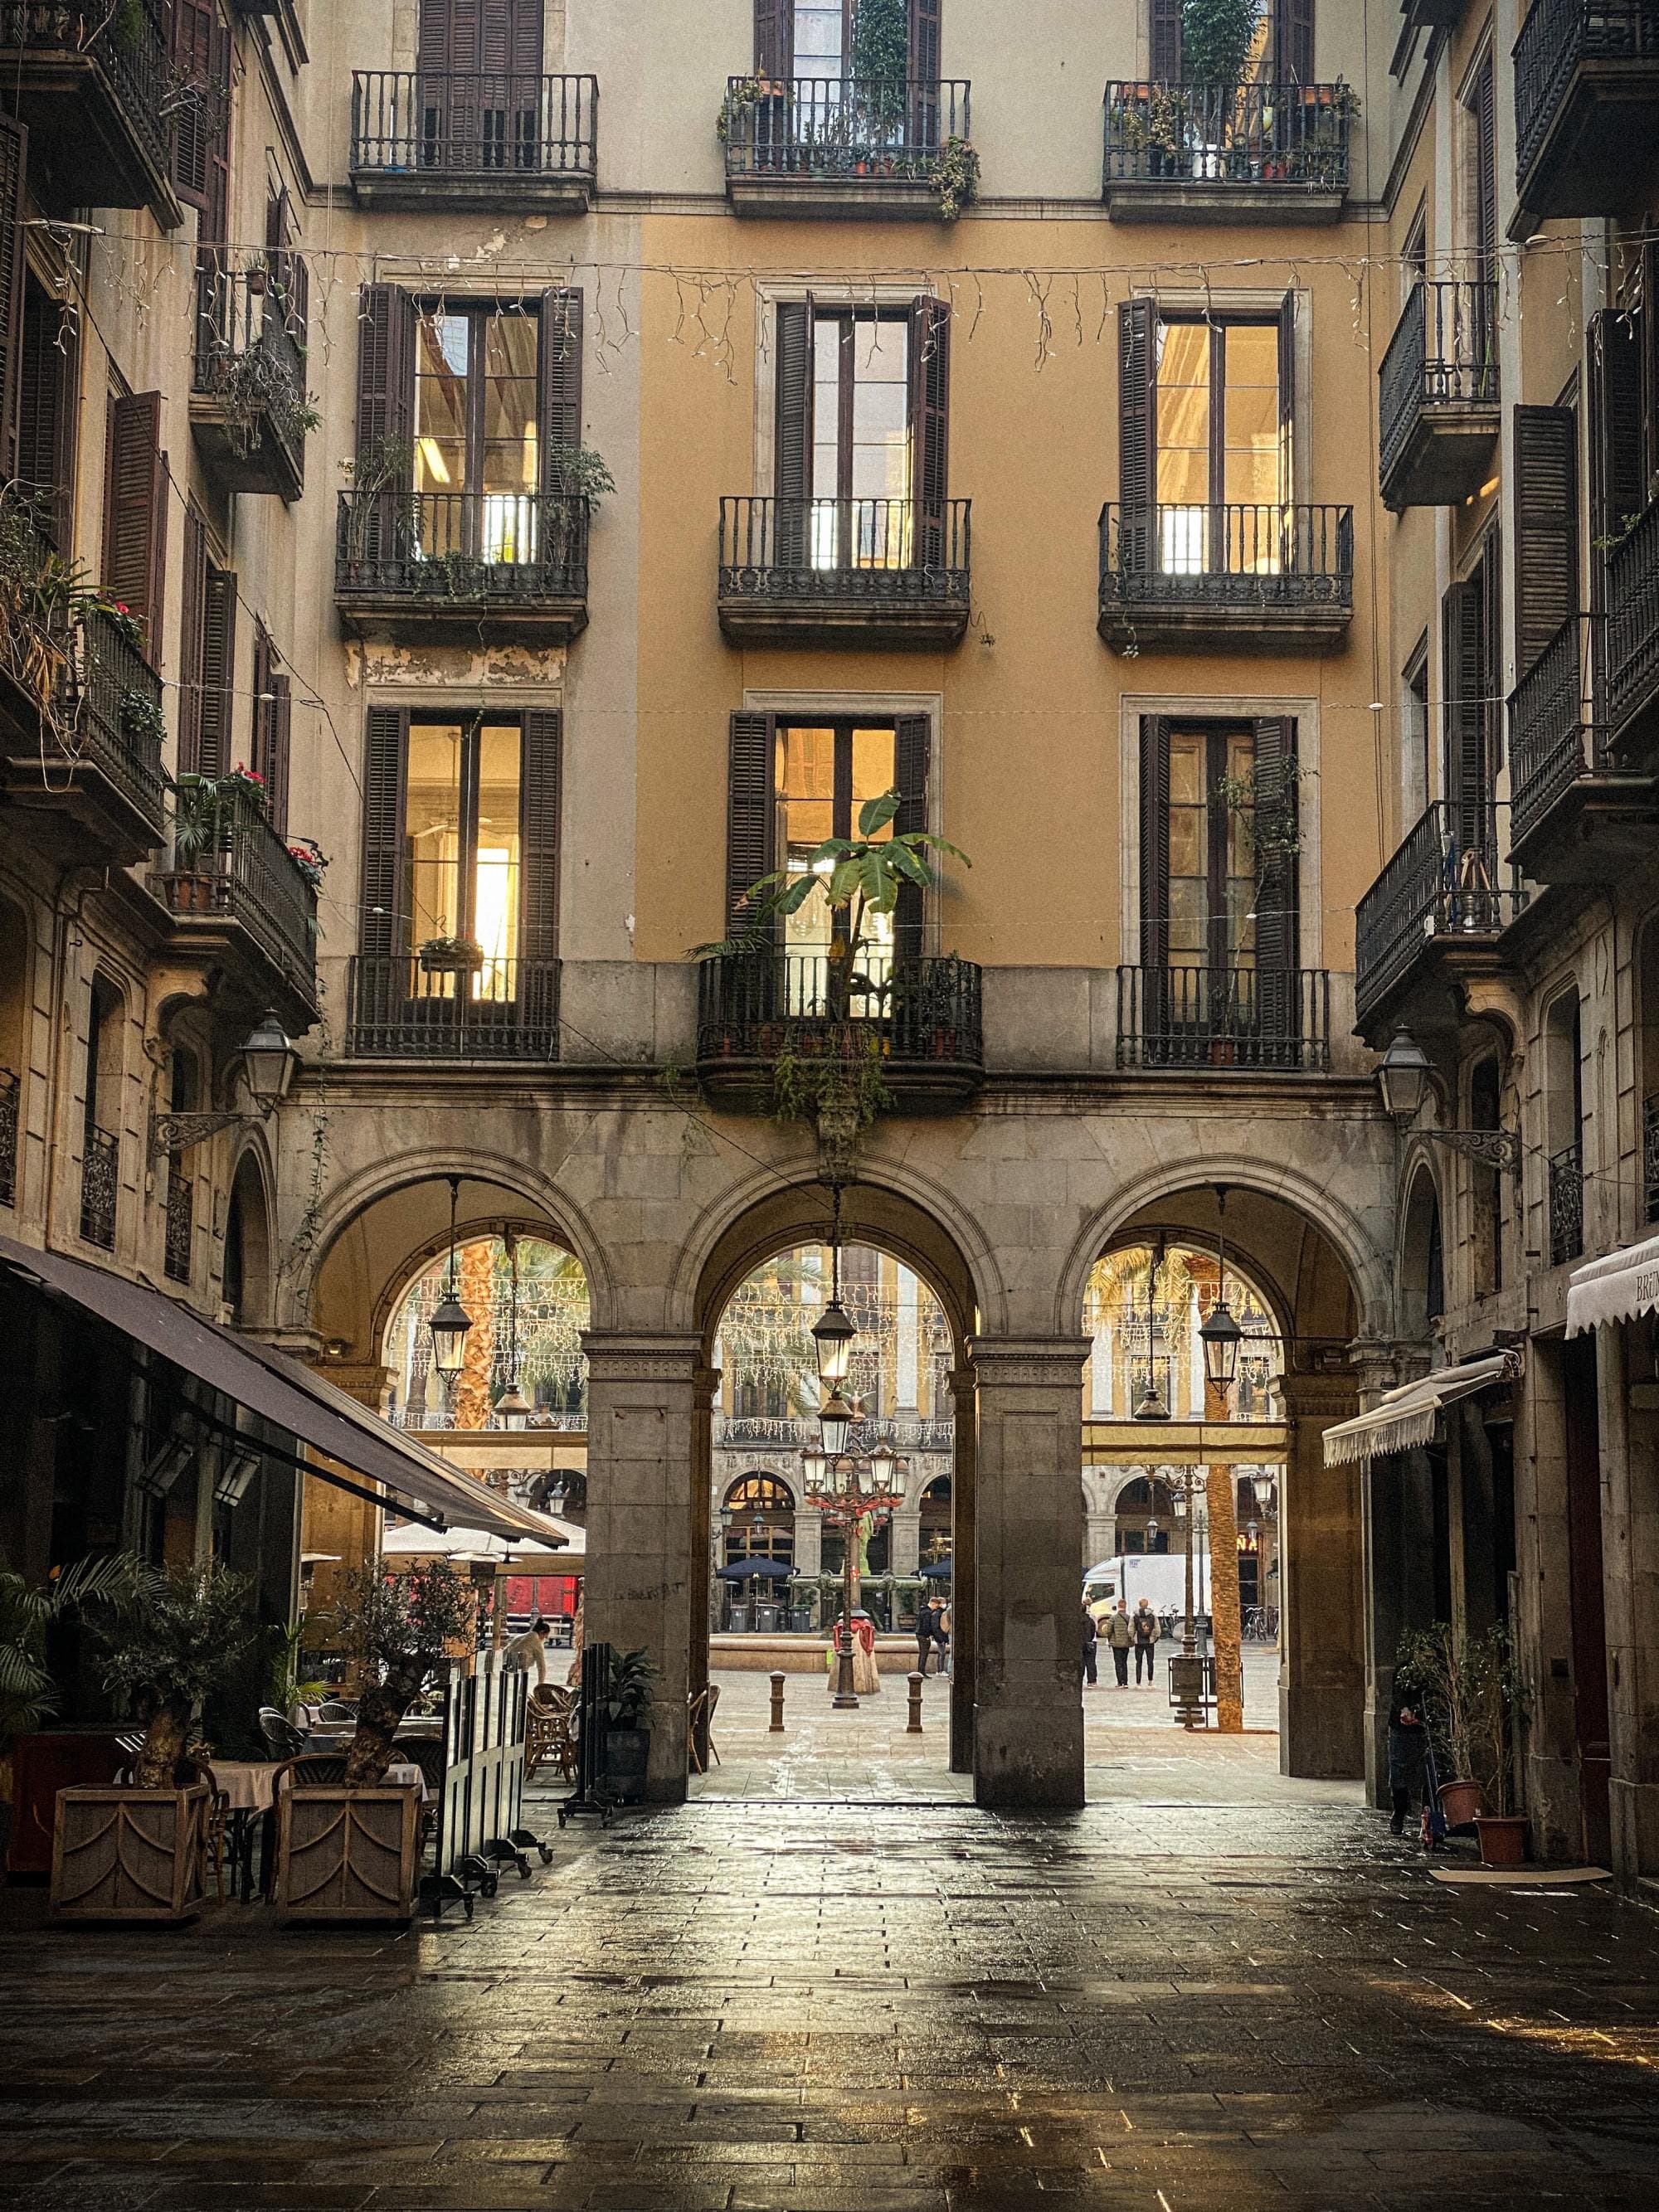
<point x="800" y="1620"/>
<point x="739" y="1621"/>
<point x="766" y="1620"/>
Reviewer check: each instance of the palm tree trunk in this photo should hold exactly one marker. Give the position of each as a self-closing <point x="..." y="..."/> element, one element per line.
<point x="477" y="1271"/>
<point x="1224" y="1601"/>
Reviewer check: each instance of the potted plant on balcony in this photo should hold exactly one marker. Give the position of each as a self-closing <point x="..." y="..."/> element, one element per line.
<point x="1217" y="37"/>
<point x="134" y="1851"/>
<point x="346" y="1849"/>
<point x="628" y="1742"/>
<point x="451" y="955"/>
<point x="582" y="479"/>
<point x="199" y="810"/>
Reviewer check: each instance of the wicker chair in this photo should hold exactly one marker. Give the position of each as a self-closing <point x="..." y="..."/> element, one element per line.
<point x="216" y="1831"/>
<point x="549" y="1732"/>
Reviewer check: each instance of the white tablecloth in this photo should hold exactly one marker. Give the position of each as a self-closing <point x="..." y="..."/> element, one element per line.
<point x="245" y="1783"/>
<point x="407" y="1777"/>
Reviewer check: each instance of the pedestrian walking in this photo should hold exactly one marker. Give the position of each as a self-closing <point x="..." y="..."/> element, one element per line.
<point x="529" y="1650"/>
<point x="1409" y="1744"/>
<point x="942" y="1635"/>
<point x="925" y="1620"/>
<point x="1091" y="1669"/>
<point x="1147" y="1632"/>
<point x="1119" y="1634"/>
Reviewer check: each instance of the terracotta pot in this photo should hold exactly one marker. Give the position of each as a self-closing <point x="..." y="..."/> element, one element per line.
<point x="1503" y="1839"/>
<point x="1460" y="1803"/>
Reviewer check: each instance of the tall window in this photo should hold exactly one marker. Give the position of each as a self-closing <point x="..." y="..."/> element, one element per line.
<point x="828" y="771"/>
<point x="462" y="838"/>
<point x="1282" y="50"/>
<point x="477" y="429"/>
<point x="824" y="37"/>
<point x="1211" y="864"/>
<point x="763" y="1523"/>
<point x="1221" y="439"/>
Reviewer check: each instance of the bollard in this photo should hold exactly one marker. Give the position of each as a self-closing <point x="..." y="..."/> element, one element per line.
<point x="777" y="1728"/>
<point x="912" y="1726"/>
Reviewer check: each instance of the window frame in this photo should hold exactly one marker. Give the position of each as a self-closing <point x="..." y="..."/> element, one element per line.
<point x="477" y="314"/>
<point x="1218" y="735"/>
<point x="1219" y="325"/>
<point x="472" y="732"/>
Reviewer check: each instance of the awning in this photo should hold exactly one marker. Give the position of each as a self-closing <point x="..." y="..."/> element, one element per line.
<point x="280" y="1389"/>
<point x="1407" y="1416"/>
<point x="1616" y="1288"/>
<point x="522" y="1554"/>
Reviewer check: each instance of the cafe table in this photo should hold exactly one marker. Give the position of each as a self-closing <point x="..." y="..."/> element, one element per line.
<point x="247" y="1784"/>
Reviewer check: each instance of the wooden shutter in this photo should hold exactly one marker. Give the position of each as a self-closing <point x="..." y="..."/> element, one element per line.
<point x="1154" y="840"/>
<point x="192" y="614"/>
<point x="195" y="50"/>
<point x="1137" y="430"/>
<point x="1293" y="42"/>
<point x="923" y="65"/>
<point x="791" y="467"/>
<point x="912" y="739"/>
<point x="135" y="517"/>
<point x="385" y="760"/>
<point x="48" y="415"/>
<point x="1278" y="936"/>
<point x="218" y="671"/>
<point x="1484" y="104"/>
<point x="1545" y="526"/>
<point x="1617" y="485"/>
<point x="13" y="167"/>
<point x="215" y="208"/>
<point x="282" y="752"/>
<point x="1287" y="397"/>
<point x="751" y="813"/>
<point x="561" y="381"/>
<point x="1166" y="41"/>
<point x="930" y="427"/>
<point x="541" y="809"/>
<point x="385" y="365"/>
<point x="1467" y="772"/>
<point x="774" y="38"/>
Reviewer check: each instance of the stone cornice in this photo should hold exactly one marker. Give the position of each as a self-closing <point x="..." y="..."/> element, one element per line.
<point x="1045" y="1363"/>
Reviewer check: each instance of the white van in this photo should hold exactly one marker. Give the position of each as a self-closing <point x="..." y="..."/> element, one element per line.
<point x="1160" y="1577"/>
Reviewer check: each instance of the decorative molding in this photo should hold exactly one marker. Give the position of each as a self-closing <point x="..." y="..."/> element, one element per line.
<point x="1029" y="1363"/>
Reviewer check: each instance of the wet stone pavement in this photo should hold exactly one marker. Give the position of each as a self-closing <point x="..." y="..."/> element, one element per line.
<point x="751" y="2007"/>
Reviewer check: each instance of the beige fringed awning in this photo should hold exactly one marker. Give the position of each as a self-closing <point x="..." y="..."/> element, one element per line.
<point x="1407" y="1416"/>
<point x="1616" y="1288"/>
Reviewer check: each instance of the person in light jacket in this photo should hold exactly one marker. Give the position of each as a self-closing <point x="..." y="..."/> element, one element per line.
<point x="1119" y="1634"/>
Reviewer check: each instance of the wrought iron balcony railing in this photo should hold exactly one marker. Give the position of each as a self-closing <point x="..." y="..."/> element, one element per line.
<point x="844" y="128"/>
<point x="1443" y="356"/>
<point x="180" y="1226"/>
<point x="250" y="325"/>
<point x="503" y="1010"/>
<point x="1269" y="135"/>
<point x="244" y="872"/>
<point x="114" y="698"/>
<point x="1551" y="742"/>
<point x="1651" y="1156"/>
<point x="1566" y="1200"/>
<point x="845" y="549"/>
<point x="100" y="1183"/>
<point x="128" y="48"/>
<point x="8" y="1092"/>
<point x="452" y="551"/>
<point x="1631" y="627"/>
<point x="503" y="127"/>
<point x="751" y="1005"/>
<point x="1558" y="40"/>
<point x="1253" y="557"/>
<point x="1219" y="1017"/>
<point x="1443" y="881"/>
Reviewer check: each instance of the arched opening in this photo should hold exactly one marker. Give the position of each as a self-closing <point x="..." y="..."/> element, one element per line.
<point x="933" y="1523"/>
<point x="14" y="987"/>
<point x="247" y="1284"/>
<point x="1422" y="1296"/>
<point x="101" y="1104"/>
<point x="1144" y="1514"/>
<point x="526" y="1299"/>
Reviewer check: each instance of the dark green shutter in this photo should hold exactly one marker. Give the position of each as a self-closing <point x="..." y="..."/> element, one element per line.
<point x="1277" y="933"/>
<point x="912" y="740"/>
<point x="1166" y="40"/>
<point x="930" y="429"/>
<point x="751" y="813"/>
<point x="792" y="474"/>
<point x="385" y="759"/>
<point x="561" y="381"/>
<point x="218" y="671"/>
<point x="194" y="51"/>
<point x="1154" y="840"/>
<point x="13" y="167"/>
<point x="1137" y="430"/>
<point x="192" y="594"/>
<point x="1545" y="526"/>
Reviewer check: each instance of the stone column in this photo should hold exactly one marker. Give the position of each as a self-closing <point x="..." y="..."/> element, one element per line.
<point x="1630" y="1551"/>
<point x="1028" y="1733"/>
<point x="906" y="1541"/>
<point x="705" y="1390"/>
<point x="647" y="1480"/>
<point x="964" y="1656"/>
<point x="1322" y="1676"/>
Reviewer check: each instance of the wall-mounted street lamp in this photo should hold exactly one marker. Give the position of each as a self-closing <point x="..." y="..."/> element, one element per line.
<point x="267" y="1063"/>
<point x="1403" y="1079"/>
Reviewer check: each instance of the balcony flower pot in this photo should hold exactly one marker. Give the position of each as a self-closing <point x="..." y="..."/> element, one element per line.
<point x="451" y="955"/>
<point x="129" y="1854"/>
<point x="1503" y="1839"/>
<point x="347" y="1855"/>
<point x="1460" y="1803"/>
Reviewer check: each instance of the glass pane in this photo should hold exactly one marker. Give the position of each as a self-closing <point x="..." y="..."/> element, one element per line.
<point x="1183" y="476"/>
<point x="1252" y="354"/>
<point x="873" y="772"/>
<point x="1183" y="354"/>
<point x="510" y="408"/>
<point x="495" y="872"/>
<point x="818" y="38"/>
<point x="432" y="824"/>
<point x="440" y="390"/>
<point x="809" y="764"/>
<point x="1186" y="840"/>
<point x="1186" y="770"/>
<point x="1188" y="922"/>
<point x="510" y="345"/>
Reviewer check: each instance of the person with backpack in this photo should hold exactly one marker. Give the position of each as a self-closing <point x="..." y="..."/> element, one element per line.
<point x="1147" y="1632"/>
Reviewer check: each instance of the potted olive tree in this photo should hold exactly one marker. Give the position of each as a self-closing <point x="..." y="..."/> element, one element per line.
<point x="1496" y="1705"/>
<point x="346" y="1849"/>
<point x="134" y="1851"/>
<point x="627" y="1743"/>
<point x="1437" y="1666"/>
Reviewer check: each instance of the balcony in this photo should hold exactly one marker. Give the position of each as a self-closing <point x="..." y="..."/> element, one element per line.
<point x="1566" y="1203"/>
<point x="178" y="1248"/>
<point x="1586" y="108"/>
<point x="1212" y="154"/>
<point x="852" y="148"/>
<point x="100" y="1186"/>
<point x="920" y="1023"/>
<point x="92" y="84"/>
<point x="1225" y="578"/>
<point x="1433" y="15"/>
<point x="1573" y="814"/>
<point x="81" y="729"/>
<point x="493" y="141"/>
<point x="1631" y="647"/>
<point x="399" y="1009"/>
<point x="1433" y="917"/>
<point x="249" y="414"/>
<point x="865" y="572"/>
<point x="1212" y="1018"/>
<point x="9" y="1091"/>
<point x="463" y="564"/>
<point x="240" y="906"/>
<point x="1438" y="401"/>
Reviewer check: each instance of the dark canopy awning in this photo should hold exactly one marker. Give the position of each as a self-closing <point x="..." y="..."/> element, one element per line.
<point x="280" y="1389"/>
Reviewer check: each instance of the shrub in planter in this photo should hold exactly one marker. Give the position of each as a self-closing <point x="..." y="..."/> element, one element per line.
<point x="627" y="1750"/>
<point x="134" y="1852"/>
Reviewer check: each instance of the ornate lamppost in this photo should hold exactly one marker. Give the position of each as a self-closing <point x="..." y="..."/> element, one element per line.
<point x="851" y="1489"/>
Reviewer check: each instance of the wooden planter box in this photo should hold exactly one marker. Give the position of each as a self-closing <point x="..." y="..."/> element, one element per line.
<point x="128" y="1853"/>
<point x="347" y="1854"/>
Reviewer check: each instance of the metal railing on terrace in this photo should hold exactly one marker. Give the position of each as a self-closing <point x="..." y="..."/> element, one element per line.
<point x="1566" y="1202"/>
<point x="1443" y="353"/>
<point x="842" y="550"/>
<point x="128" y="43"/>
<point x="245" y="872"/>
<point x="9" y="1093"/>
<point x="459" y="548"/>
<point x="1651" y="1156"/>
<point x="1248" y="1018"/>
<point x="115" y="698"/>
<point x="1444" y="880"/>
<point x="101" y="1179"/>
<point x="501" y="124"/>
<point x="1252" y="134"/>
<point x="1557" y="37"/>
<point x="1631" y="623"/>
<point x="750" y="1004"/>
<point x="1552" y="743"/>
<point x="842" y="128"/>
<point x="504" y="1010"/>
<point x="1212" y="556"/>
